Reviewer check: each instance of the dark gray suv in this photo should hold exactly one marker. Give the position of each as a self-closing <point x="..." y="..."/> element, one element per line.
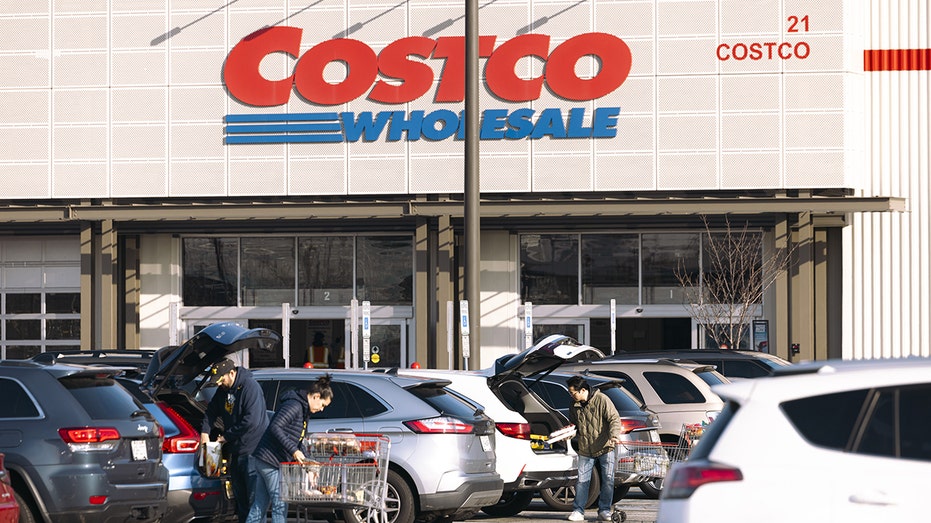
<point x="78" y="446"/>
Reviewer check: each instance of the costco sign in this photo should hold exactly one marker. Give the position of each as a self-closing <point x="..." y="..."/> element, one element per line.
<point x="401" y="73"/>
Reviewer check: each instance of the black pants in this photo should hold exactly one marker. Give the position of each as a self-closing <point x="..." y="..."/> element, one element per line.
<point x="242" y="479"/>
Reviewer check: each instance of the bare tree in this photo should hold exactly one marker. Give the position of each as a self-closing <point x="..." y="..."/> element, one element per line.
<point x="724" y="295"/>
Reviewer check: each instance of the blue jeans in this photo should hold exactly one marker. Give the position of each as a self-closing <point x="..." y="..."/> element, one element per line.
<point x="606" y="464"/>
<point x="267" y="492"/>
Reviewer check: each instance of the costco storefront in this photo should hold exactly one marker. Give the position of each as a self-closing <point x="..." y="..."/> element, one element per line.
<point x="172" y="164"/>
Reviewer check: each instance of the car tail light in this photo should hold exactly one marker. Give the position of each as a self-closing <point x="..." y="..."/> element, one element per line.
<point x="441" y="425"/>
<point x="97" y="500"/>
<point x="685" y="477"/>
<point x="186" y="441"/>
<point x="203" y="494"/>
<point x="628" y="425"/>
<point x="514" y="430"/>
<point x="89" y="439"/>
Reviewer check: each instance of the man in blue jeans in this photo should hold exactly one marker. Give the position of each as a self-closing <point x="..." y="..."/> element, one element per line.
<point x="240" y="403"/>
<point x="598" y="428"/>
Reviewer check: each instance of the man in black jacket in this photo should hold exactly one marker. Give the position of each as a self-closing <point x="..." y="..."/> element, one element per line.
<point x="240" y="404"/>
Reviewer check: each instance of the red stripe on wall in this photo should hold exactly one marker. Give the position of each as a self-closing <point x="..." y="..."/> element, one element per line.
<point x="897" y="60"/>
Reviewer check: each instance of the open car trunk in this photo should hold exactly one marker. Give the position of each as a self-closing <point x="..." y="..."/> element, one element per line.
<point x="543" y="420"/>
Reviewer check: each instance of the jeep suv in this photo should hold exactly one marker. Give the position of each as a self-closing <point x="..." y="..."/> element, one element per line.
<point x="78" y="446"/>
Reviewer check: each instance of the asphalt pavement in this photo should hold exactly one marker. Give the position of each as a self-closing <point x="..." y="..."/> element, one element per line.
<point x="636" y="507"/>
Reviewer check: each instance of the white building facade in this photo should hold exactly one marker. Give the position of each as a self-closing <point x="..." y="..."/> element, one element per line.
<point x="171" y="163"/>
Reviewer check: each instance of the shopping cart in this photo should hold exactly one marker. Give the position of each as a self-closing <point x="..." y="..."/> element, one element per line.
<point x="342" y="471"/>
<point x="652" y="459"/>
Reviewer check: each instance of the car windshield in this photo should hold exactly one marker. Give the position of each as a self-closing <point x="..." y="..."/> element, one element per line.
<point x="446" y="402"/>
<point x="623" y="401"/>
<point x="102" y="398"/>
<point x="711" y="377"/>
<point x="773" y="363"/>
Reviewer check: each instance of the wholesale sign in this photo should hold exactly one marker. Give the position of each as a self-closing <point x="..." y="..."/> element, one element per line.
<point x="402" y="73"/>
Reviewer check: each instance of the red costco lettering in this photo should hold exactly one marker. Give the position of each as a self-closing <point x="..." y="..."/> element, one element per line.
<point x="764" y="51"/>
<point x="399" y="74"/>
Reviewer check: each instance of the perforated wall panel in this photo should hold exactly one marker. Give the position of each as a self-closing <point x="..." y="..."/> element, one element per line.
<point x="709" y="79"/>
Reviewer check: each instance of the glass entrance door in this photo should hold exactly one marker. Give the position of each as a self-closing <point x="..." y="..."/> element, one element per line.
<point x="388" y="344"/>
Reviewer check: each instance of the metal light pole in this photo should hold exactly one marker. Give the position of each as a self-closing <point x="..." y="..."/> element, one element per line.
<point x="471" y="212"/>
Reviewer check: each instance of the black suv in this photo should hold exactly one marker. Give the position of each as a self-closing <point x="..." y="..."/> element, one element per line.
<point x="78" y="446"/>
<point x="729" y="362"/>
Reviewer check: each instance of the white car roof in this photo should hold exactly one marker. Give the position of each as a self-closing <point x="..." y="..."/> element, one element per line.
<point x="824" y="377"/>
<point x="472" y="384"/>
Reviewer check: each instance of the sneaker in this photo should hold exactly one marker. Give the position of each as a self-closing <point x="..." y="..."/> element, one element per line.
<point x="576" y="516"/>
<point x="604" y="515"/>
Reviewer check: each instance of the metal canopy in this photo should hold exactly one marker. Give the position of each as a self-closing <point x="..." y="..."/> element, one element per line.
<point x="525" y="208"/>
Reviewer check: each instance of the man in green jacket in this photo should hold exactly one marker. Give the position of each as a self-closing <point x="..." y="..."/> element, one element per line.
<point x="598" y="427"/>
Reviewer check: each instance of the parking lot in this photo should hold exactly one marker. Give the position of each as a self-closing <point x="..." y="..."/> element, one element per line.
<point x="637" y="507"/>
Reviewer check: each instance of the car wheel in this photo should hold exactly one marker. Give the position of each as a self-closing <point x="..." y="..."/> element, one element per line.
<point x="652" y="488"/>
<point x="510" y="504"/>
<point x="561" y="498"/>
<point x="619" y="492"/>
<point x="399" y="504"/>
<point x="26" y="514"/>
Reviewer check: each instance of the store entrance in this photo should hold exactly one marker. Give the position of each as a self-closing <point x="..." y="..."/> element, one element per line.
<point x="642" y="334"/>
<point x="318" y="342"/>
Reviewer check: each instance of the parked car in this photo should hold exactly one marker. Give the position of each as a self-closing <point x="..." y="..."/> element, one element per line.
<point x="78" y="446"/>
<point x="639" y="428"/>
<point x="9" y="500"/>
<point x="442" y="457"/>
<point x="734" y="364"/>
<point x="135" y="361"/>
<point x="679" y="393"/>
<point x="173" y="383"/>
<point x="192" y="496"/>
<point x="179" y="409"/>
<point x="861" y="427"/>
<point x="525" y="461"/>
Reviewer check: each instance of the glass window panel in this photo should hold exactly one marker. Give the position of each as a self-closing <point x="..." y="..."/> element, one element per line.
<point x="210" y="271"/>
<point x="30" y="303"/>
<point x="610" y="268"/>
<point x="325" y="270"/>
<point x="915" y="422"/>
<point x="63" y="303"/>
<point x="385" y="346"/>
<point x="879" y="433"/>
<point x="663" y="255"/>
<point x="385" y="267"/>
<point x="16" y="401"/>
<point x="733" y="257"/>
<point x="63" y="329"/>
<point x="267" y="271"/>
<point x="549" y="268"/>
<point x="22" y="352"/>
<point x="23" y="329"/>
<point x="724" y="331"/>
<point x="827" y="420"/>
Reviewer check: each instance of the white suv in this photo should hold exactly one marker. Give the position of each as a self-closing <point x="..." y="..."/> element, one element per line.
<point x="525" y="462"/>
<point x="861" y="429"/>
